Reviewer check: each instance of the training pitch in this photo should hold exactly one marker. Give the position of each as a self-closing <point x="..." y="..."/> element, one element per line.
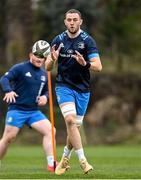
<point x="110" y="162"/>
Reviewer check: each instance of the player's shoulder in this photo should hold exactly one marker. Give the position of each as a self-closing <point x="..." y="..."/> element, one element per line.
<point x="61" y="36"/>
<point x="19" y="65"/>
<point x="88" y="39"/>
<point x="43" y="70"/>
<point x="59" y="39"/>
<point x="85" y="36"/>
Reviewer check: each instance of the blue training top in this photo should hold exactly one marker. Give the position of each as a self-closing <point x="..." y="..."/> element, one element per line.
<point x="70" y="72"/>
<point x="28" y="82"/>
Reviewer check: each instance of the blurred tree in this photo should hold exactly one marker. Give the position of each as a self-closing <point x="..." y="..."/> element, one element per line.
<point x="2" y="31"/>
<point x="114" y="24"/>
<point x="18" y="29"/>
<point x="121" y="30"/>
<point x="50" y="15"/>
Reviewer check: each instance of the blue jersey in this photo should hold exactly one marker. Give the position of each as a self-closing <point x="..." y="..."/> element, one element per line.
<point x="28" y="82"/>
<point x="70" y="72"/>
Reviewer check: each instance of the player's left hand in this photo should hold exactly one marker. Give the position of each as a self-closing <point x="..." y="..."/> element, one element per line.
<point x="42" y="100"/>
<point x="79" y="58"/>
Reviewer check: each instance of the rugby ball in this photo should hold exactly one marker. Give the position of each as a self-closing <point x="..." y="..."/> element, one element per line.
<point x="41" y="48"/>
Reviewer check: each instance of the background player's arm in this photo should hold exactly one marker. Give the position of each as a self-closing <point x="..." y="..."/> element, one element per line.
<point x="43" y="98"/>
<point x="10" y="95"/>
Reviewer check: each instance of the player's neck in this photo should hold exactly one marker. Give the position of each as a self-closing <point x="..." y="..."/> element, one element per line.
<point x="74" y="35"/>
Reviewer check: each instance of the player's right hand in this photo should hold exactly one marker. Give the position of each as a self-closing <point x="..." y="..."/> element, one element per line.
<point x="10" y="97"/>
<point x="55" y="53"/>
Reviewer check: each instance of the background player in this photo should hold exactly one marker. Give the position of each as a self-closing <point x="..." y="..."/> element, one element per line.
<point x="25" y="87"/>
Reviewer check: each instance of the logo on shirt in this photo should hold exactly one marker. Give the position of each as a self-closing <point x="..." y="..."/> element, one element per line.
<point x="70" y="51"/>
<point x="28" y="74"/>
<point x="62" y="45"/>
<point x="43" y="78"/>
<point x="81" y="45"/>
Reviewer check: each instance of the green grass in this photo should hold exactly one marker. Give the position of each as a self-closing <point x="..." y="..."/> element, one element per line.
<point x="110" y="162"/>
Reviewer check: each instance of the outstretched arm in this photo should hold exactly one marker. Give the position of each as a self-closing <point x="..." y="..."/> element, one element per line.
<point x="52" y="58"/>
<point x="94" y="63"/>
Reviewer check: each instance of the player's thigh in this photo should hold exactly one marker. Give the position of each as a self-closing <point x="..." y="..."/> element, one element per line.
<point x="10" y="132"/>
<point x="42" y="126"/>
<point x="66" y="100"/>
<point x="39" y="122"/>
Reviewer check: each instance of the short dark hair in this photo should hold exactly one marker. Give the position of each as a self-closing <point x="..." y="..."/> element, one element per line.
<point x="73" y="11"/>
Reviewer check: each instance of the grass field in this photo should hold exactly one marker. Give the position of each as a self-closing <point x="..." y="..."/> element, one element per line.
<point x="110" y="162"/>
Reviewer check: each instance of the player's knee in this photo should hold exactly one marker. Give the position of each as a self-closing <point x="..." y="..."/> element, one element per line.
<point x="70" y="120"/>
<point x="48" y="132"/>
<point x="9" y="138"/>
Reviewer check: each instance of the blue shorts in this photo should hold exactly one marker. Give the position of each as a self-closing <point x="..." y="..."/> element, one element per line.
<point x="18" y="117"/>
<point x="65" y="94"/>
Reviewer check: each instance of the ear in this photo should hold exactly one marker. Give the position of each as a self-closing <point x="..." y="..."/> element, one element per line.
<point x="65" y="22"/>
<point x="30" y="55"/>
<point x="81" y="21"/>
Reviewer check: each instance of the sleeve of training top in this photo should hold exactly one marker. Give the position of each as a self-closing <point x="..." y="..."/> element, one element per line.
<point x="45" y="90"/>
<point x="92" y="50"/>
<point x="55" y="42"/>
<point x="9" y="76"/>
